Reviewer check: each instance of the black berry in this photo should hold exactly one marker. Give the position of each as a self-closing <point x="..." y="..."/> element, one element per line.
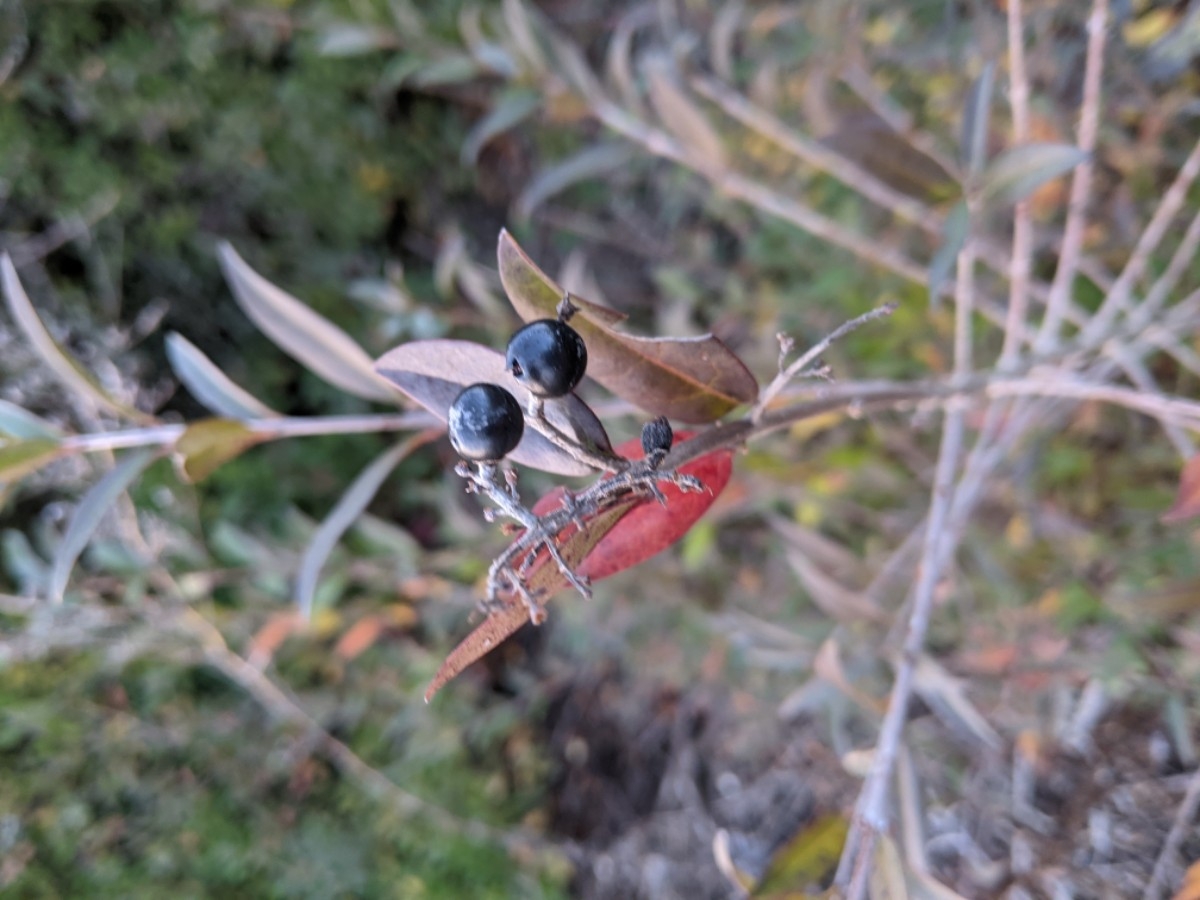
<point x="548" y="357"/>
<point x="657" y="438"/>
<point x="486" y="423"/>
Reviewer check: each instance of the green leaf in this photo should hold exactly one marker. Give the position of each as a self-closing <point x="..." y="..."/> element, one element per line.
<point x="976" y="114"/>
<point x="22" y="457"/>
<point x="954" y="235"/>
<point x="299" y="331"/>
<point x="806" y="859"/>
<point x="1015" y="174"/>
<point x="207" y="445"/>
<point x="692" y="379"/>
<point x="513" y="108"/>
<point x="347" y="510"/>
<point x="210" y="385"/>
<point x="21" y="423"/>
<point x="88" y="514"/>
<point x="69" y="372"/>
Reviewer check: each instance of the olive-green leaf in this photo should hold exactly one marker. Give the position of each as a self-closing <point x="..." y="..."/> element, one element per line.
<point x="691" y="379"/>
<point x="22" y="457"/>
<point x="807" y="859"/>
<point x="207" y="445"/>
<point x="301" y="332"/>
<point x="210" y="385"/>
<point x="954" y="235"/>
<point x="19" y="422"/>
<point x="88" y="514"/>
<point x="1015" y="174"/>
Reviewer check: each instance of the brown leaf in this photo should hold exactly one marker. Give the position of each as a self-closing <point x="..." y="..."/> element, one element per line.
<point x="268" y="639"/>
<point x="692" y="379"/>
<point x="1187" y="501"/>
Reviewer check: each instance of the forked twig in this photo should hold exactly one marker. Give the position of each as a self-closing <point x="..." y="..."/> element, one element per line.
<point x="811" y="356"/>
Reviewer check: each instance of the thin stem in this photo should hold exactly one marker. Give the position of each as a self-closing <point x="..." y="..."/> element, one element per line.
<point x="771" y="391"/>
<point x="1018" y="291"/>
<point x="1117" y="300"/>
<point x="871" y="815"/>
<point x="1081" y="182"/>
<point x="309" y="426"/>
<point x="1184" y="817"/>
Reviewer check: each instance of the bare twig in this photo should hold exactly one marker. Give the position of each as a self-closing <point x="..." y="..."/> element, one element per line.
<point x="1185" y="818"/>
<point x="1018" y="95"/>
<point x="771" y="391"/>
<point x="1081" y="182"/>
<point x="282" y="707"/>
<point x="871" y="813"/>
<point x="1118" y="297"/>
<point x="268" y="429"/>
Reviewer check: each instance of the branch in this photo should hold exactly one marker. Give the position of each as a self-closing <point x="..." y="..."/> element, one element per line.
<point x="871" y="816"/>
<point x="1081" y="182"/>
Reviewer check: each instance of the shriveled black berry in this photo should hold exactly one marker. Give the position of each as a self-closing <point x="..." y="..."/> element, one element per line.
<point x="485" y="423"/>
<point x="657" y="438"/>
<point x="548" y="357"/>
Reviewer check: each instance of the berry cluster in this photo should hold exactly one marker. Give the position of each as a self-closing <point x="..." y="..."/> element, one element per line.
<point x="548" y="357"/>
<point x="486" y="423"/>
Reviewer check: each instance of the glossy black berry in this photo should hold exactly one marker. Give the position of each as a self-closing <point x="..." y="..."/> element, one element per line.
<point x="548" y="357"/>
<point x="486" y="423"/>
<point x="657" y="438"/>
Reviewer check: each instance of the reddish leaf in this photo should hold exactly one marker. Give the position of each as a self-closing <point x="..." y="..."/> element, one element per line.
<point x="611" y="542"/>
<point x="1187" y="501"/>
<point x="693" y="379"/>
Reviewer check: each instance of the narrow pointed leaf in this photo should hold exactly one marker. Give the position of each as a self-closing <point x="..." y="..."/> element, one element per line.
<point x="591" y="162"/>
<point x="692" y="379"/>
<point x="344" y="514"/>
<point x="954" y="235"/>
<point x="210" y="385"/>
<point x="23" y="457"/>
<point x="210" y="443"/>
<point x="88" y="514"/>
<point x="68" y="371"/>
<point x="1017" y="173"/>
<point x="610" y="542"/>
<point x="21" y="423"/>
<point x="301" y="332"/>
<point x="433" y="372"/>
<point x="512" y="109"/>
<point x="976" y="114"/>
<point x="682" y="116"/>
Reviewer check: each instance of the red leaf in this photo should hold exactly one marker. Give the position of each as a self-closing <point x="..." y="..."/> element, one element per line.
<point x="1187" y="501"/>
<point x="611" y="542"/>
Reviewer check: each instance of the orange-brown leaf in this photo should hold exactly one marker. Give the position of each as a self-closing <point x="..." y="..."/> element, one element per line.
<point x="1187" y="500"/>
<point x="361" y="636"/>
